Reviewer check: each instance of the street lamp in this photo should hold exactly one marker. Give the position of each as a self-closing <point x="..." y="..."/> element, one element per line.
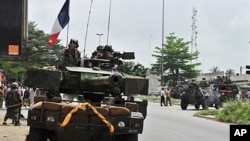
<point x="99" y="34"/>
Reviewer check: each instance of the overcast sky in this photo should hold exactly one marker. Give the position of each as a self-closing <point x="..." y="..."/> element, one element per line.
<point x="223" y="27"/>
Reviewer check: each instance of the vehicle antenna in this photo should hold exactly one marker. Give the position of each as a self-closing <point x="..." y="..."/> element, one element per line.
<point x="109" y="22"/>
<point x="87" y="28"/>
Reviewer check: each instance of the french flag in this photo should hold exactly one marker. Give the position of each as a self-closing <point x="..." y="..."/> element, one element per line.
<point x="61" y="21"/>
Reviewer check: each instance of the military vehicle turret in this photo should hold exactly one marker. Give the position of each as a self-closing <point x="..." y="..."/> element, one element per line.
<point x="87" y="102"/>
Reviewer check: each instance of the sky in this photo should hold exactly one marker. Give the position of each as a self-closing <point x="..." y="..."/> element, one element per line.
<point x="222" y="26"/>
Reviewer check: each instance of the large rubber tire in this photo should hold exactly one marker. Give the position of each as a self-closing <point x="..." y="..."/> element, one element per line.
<point x="35" y="134"/>
<point x="218" y="104"/>
<point x="197" y="106"/>
<point x="205" y="104"/>
<point x="184" y="105"/>
<point x="127" y="137"/>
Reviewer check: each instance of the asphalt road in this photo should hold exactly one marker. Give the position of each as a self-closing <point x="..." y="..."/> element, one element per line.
<point x="10" y="132"/>
<point x="173" y="124"/>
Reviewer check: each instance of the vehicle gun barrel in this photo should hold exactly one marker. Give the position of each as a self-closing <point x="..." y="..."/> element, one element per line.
<point x="114" y="80"/>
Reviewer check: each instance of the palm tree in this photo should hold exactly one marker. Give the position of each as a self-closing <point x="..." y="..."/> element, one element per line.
<point x="230" y="72"/>
<point x="214" y="69"/>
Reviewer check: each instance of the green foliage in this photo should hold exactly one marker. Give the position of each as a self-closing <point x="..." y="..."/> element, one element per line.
<point x="235" y="112"/>
<point x="131" y="68"/>
<point x="230" y="72"/>
<point x="35" y="53"/>
<point x="208" y="112"/>
<point x="214" y="69"/>
<point x="178" y="63"/>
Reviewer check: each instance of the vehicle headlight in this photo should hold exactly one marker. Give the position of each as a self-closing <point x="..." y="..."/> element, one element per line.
<point x="121" y="124"/>
<point x="50" y="119"/>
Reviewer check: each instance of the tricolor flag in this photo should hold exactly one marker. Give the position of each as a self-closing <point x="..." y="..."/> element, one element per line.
<point x="61" y="21"/>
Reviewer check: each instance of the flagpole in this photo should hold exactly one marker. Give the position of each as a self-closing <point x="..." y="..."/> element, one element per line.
<point x="67" y="40"/>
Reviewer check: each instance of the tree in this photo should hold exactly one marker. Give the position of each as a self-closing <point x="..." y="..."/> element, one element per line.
<point x="176" y="60"/>
<point x="214" y="69"/>
<point x="230" y="72"/>
<point x="36" y="49"/>
<point x="131" y="68"/>
<point x="34" y="53"/>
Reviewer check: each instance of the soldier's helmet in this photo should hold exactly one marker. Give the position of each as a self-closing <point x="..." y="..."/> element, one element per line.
<point x="100" y="47"/>
<point x="108" y="48"/>
<point x="73" y="41"/>
<point x="14" y="85"/>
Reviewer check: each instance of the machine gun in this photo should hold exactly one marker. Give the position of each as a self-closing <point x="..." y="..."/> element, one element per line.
<point x="110" y="62"/>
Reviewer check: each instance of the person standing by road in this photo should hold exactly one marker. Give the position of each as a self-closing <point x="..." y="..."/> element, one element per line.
<point x="26" y="97"/>
<point x="162" y="97"/>
<point x="1" y="96"/>
<point x="13" y="101"/>
<point x="168" y="96"/>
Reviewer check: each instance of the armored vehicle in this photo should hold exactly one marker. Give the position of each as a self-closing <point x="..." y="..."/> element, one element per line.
<point x="195" y="95"/>
<point x="91" y="103"/>
<point x="226" y="91"/>
<point x="178" y="89"/>
<point x="210" y="94"/>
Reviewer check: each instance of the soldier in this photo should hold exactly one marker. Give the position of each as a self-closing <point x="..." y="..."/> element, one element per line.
<point x="72" y="57"/>
<point x="203" y="83"/>
<point x="107" y="52"/>
<point x="97" y="54"/>
<point x="227" y="80"/>
<point x="13" y="101"/>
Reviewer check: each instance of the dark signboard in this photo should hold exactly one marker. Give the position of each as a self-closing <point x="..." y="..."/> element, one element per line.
<point x="11" y="21"/>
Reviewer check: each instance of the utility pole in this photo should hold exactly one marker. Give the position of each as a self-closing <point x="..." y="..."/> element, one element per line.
<point x="162" y="43"/>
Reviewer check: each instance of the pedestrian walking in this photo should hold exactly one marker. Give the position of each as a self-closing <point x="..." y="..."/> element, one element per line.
<point x="13" y="101"/>
<point x="168" y="96"/>
<point x="26" y="97"/>
<point x="162" y="102"/>
<point x="32" y="95"/>
<point x="1" y="96"/>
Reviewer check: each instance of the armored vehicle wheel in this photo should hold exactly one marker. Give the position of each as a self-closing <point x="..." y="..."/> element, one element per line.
<point x="197" y="106"/>
<point x="36" y="134"/>
<point x="184" y="105"/>
<point x="205" y="104"/>
<point x="128" y="137"/>
<point x="218" y="104"/>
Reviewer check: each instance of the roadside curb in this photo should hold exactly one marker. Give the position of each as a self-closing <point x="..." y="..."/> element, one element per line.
<point x="212" y="117"/>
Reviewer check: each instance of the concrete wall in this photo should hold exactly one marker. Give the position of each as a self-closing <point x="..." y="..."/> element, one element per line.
<point x="153" y="84"/>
